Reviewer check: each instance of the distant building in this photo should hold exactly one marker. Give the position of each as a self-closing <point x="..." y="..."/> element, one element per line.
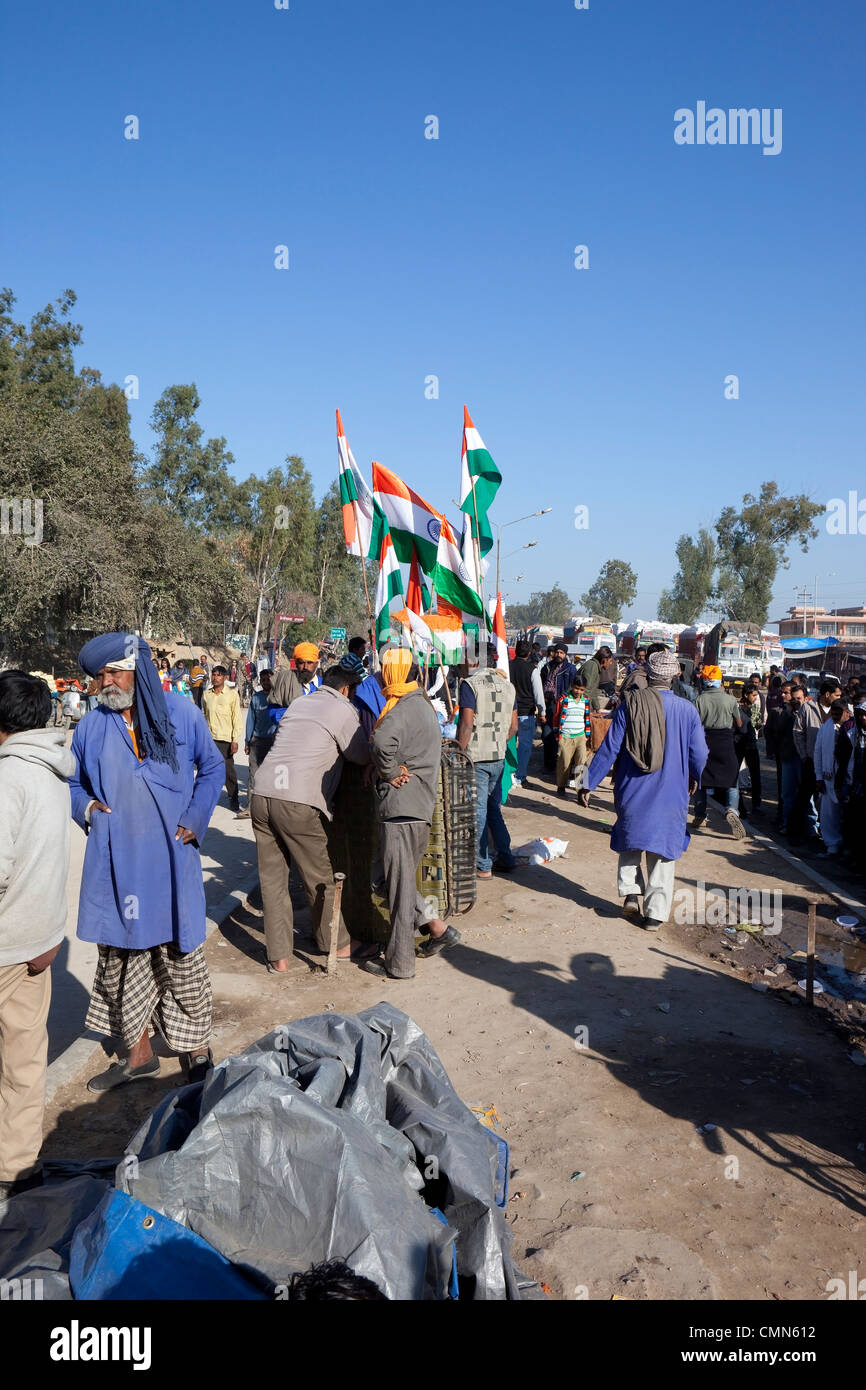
<point x="848" y="625"/>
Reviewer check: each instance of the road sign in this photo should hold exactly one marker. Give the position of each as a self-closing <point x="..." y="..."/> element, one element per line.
<point x="291" y="618"/>
<point x="338" y="634"/>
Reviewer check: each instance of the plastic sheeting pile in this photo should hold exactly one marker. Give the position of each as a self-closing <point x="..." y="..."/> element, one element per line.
<point x="336" y="1136"/>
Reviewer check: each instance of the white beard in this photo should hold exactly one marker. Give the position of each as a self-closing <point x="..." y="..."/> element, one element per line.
<point x="116" y="699"/>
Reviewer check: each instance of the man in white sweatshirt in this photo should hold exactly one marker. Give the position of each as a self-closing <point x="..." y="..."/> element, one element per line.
<point x="34" y="859"/>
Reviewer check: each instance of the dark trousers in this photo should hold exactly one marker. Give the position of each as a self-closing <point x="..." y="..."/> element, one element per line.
<point x="197" y="692"/>
<point x="549" y="741"/>
<point x="231" y="774"/>
<point x="259" y="748"/>
<point x="752" y="759"/>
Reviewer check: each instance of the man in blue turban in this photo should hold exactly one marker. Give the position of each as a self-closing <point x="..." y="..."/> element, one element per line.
<point x="148" y="775"/>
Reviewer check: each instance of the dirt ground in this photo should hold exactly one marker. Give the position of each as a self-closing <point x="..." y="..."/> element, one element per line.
<point x="674" y="1132"/>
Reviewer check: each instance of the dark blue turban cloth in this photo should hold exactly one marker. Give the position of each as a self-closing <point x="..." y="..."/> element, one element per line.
<point x="156" y="731"/>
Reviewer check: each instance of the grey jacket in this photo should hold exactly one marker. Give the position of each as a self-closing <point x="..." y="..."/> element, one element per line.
<point x="35" y="821"/>
<point x="408" y="735"/>
<point x="305" y="762"/>
<point x="807" y="722"/>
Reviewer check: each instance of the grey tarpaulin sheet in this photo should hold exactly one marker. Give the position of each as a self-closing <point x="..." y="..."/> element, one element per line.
<point x="314" y="1143"/>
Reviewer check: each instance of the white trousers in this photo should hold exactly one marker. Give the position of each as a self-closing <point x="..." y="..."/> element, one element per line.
<point x="657" y="887"/>
<point x="831" y="821"/>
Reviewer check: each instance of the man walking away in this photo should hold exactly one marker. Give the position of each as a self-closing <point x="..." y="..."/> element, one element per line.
<point x="34" y="860"/>
<point x="407" y="751"/>
<point x="661" y="751"/>
<point x="487" y="720"/>
<point x="146" y="781"/>
<point x="259" y="735"/>
<point x="573" y="731"/>
<point x="530" y="706"/>
<point x="720" y="716"/>
<point x="293" y="804"/>
<point x="222" y="711"/>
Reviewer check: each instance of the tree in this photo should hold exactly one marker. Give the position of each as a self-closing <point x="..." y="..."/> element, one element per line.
<point x="90" y="545"/>
<point x="693" y="582"/>
<point x="751" y="545"/>
<point x="613" y="590"/>
<point x="282" y="541"/>
<point x="189" y="474"/>
<point x="549" y="606"/>
<point x="341" y="598"/>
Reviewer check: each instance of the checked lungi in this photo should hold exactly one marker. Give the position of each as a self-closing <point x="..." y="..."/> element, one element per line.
<point x="160" y="989"/>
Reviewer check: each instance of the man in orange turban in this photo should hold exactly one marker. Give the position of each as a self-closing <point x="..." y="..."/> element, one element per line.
<point x="306" y="655"/>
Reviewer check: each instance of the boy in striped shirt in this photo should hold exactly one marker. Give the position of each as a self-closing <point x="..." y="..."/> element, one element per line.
<point x="572" y="728"/>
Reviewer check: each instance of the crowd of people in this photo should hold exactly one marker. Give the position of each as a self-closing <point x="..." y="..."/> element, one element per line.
<point x="148" y="764"/>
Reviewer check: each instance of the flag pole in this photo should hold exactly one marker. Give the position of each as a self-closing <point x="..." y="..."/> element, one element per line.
<point x="477" y="544"/>
<point x="371" y="629"/>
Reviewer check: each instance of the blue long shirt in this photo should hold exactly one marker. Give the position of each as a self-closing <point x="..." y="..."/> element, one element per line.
<point x="259" y="722"/>
<point x="140" y="886"/>
<point x="652" y="807"/>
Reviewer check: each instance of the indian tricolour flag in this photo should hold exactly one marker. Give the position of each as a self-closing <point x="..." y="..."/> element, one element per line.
<point x="479" y="483"/>
<point x="389" y="588"/>
<point x="455" y="578"/>
<point x="499" y="638"/>
<point x="357" y="502"/>
<point x="413" y="522"/>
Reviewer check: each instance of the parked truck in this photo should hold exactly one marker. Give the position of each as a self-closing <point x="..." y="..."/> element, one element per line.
<point x="590" y="635"/>
<point x="642" y="634"/>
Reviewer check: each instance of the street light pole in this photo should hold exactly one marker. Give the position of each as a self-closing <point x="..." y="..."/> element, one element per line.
<point x="500" y="528"/>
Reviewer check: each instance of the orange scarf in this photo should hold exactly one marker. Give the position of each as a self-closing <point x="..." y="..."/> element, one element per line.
<point x="396" y="666"/>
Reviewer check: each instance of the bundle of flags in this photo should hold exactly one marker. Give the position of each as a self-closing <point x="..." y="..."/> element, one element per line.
<point x="394" y="525"/>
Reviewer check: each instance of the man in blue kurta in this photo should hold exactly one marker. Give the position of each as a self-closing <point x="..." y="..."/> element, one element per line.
<point x="147" y="778"/>
<point x="658" y="744"/>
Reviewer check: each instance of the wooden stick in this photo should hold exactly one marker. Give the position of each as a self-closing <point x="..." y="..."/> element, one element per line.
<point x="810" y="953"/>
<point x="331" y="967"/>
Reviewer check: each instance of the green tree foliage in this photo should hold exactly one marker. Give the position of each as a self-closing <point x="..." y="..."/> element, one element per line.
<point x="189" y="474"/>
<point x="340" y="601"/>
<point x="689" y="594"/>
<point x="613" y="590"/>
<point x="753" y="542"/>
<point x="548" y="606"/>
<point x="171" y="545"/>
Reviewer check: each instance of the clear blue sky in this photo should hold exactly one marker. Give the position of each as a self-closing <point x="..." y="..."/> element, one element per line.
<point x="454" y="257"/>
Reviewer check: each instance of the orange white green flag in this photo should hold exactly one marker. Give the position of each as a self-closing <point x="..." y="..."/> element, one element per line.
<point x="455" y="577"/>
<point x="360" y="531"/>
<point x="479" y="483"/>
<point x="414" y="524"/>
<point x="389" y="588"/>
<point x="499" y="637"/>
